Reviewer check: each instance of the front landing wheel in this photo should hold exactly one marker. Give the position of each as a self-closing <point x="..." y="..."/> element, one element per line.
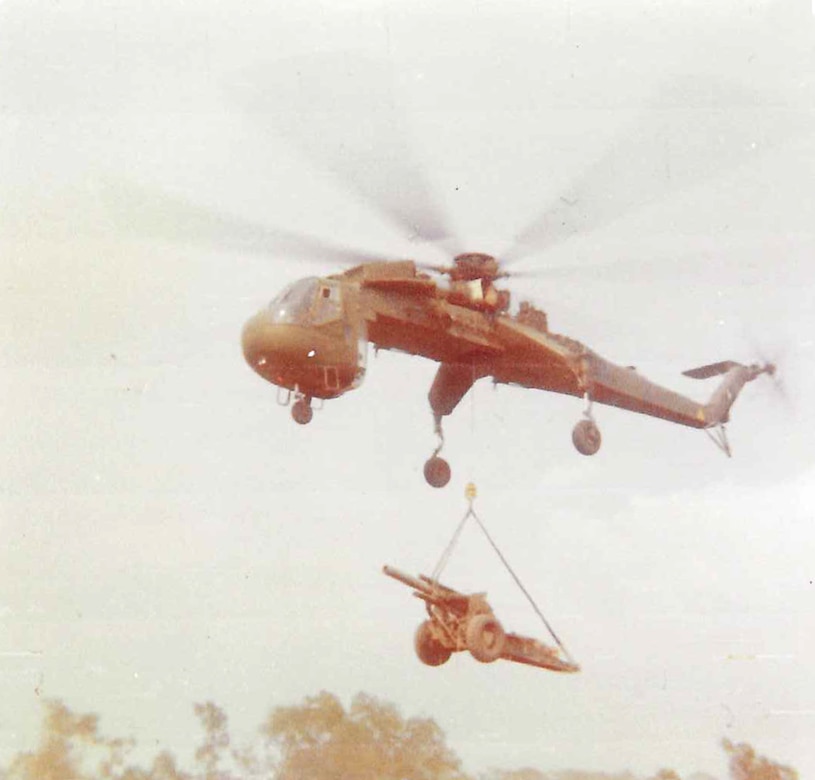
<point x="586" y="437"/>
<point x="302" y="412"/>
<point x="437" y="472"/>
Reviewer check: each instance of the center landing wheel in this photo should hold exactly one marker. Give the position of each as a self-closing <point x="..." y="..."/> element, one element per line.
<point x="302" y="412"/>
<point x="437" y="472"/>
<point x="586" y="437"/>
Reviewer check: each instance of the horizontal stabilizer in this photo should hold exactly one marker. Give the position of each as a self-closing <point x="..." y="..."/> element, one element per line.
<point x="714" y="369"/>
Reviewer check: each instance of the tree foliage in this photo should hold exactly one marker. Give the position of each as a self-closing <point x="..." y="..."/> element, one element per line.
<point x="319" y="739"/>
<point x="515" y="774"/>
<point x="369" y="741"/>
<point x="745" y="764"/>
<point x="72" y="748"/>
<point x="210" y="753"/>
<point x="60" y="753"/>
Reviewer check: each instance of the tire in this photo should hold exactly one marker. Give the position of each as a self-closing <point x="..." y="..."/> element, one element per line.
<point x="437" y="472"/>
<point x="302" y="412"/>
<point x="586" y="437"/>
<point x="428" y="648"/>
<point x="485" y="638"/>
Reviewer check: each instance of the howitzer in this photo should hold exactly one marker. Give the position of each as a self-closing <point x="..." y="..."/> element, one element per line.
<point x="458" y="621"/>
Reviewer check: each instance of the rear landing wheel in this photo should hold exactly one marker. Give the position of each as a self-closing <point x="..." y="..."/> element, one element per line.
<point x="437" y="472"/>
<point x="586" y="437"/>
<point x="302" y="412"/>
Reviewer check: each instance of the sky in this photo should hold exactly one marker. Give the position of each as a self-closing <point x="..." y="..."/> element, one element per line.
<point x="169" y="534"/>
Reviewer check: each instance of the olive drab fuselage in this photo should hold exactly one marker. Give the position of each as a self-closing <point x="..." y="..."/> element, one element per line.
<point x="312" y="340"/>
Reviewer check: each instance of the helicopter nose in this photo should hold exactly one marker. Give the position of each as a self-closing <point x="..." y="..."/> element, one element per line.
<point x="255" y="341"/>
<point x="276" y="351"/>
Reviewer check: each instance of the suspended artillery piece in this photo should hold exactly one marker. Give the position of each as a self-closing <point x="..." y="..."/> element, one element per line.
<point x="458" y="622"/>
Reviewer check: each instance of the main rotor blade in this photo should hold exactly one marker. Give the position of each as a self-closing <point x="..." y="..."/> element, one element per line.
<point x="339" y="112"/>
<point x="699" y="268"/>
<point x="691" y="131"/>
<point x="151" y="213"/>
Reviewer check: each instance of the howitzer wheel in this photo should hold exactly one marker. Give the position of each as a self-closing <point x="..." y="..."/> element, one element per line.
<point x="428" y="648"/>
<point x="485" y="638"/>
<point x="586" y="437"/>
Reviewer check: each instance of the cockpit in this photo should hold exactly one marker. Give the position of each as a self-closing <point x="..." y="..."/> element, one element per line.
<point x="309" y="301"/>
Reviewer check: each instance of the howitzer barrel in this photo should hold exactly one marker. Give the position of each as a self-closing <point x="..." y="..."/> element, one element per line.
<point x="411" y="582"/>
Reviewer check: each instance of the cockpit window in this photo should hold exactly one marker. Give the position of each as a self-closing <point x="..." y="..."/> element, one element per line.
<point x="293" y="305"/>
<point x="327" y="305"/>
<point x="309" y="301"/>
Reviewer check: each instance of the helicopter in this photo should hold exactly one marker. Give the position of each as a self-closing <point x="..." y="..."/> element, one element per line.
<point x="312" y="340"/>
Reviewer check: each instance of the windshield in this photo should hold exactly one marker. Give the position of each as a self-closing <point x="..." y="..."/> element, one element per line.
<point x="293" y="305"/>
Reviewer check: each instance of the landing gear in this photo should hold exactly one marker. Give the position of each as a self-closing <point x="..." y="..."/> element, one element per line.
<point x="301" y="411"/>
<point x="437" y="472"/>
<point x="436" y="469"/>
<point x="586" y="435"/>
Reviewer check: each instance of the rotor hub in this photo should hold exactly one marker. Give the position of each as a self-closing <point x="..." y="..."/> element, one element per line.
<point x="471" y="266"/>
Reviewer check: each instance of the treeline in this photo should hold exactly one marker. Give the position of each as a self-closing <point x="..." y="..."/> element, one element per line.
<point x="316" y="740"/>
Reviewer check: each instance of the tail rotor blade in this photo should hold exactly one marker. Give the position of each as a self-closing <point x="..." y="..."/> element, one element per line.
<point x="771" y="362"/>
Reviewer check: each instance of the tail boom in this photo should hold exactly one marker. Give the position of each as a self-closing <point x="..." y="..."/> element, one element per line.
<point x="627" y="389"/>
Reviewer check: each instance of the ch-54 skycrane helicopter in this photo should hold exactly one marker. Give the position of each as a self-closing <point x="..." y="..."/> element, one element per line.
<point x="311" y="342"/>
<point x="312" y="339"/>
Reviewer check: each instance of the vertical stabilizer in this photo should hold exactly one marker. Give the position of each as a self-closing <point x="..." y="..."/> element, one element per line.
<point x="736" y="376"/>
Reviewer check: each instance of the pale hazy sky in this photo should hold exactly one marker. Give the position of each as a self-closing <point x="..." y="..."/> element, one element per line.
<point x="171" y="536"/>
